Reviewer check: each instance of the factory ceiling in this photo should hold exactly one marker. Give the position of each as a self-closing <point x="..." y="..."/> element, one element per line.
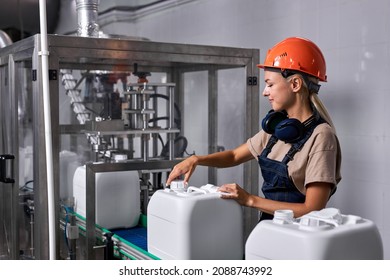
<point x="20" y="19"/>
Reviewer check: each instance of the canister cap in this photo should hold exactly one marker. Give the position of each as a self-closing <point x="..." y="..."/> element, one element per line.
<point x="283" y="217"/>
<point x="178" y="185"/>
<point x="120" y="157"/>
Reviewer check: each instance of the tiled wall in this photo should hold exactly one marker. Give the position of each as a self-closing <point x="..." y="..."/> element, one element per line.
<point x="355" y="38"/>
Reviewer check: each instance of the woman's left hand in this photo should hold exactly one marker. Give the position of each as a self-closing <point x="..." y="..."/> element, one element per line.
<point x="234" y="191"/>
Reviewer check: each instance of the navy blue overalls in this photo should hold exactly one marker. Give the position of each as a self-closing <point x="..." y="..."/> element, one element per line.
<point x="277" y="183"/>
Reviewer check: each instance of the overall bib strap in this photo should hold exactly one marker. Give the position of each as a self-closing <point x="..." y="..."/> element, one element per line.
<point x="271" y="142"/>
<point x="296" y="147"/>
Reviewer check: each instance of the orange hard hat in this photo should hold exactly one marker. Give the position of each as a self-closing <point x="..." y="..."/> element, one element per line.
<point x="297" y="54"/>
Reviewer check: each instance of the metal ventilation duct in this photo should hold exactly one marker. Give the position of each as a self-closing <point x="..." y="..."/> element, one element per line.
<point x="87" y="18"/>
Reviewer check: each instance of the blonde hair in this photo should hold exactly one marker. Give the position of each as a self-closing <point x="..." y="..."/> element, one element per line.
<point x="321" y="109"/>
<point x="317" y="104"/>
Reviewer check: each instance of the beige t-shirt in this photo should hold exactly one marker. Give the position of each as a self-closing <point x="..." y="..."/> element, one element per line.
<point x="318" y="161"/>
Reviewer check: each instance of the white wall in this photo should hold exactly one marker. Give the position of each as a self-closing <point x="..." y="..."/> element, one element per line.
<point x="355" y="38"/>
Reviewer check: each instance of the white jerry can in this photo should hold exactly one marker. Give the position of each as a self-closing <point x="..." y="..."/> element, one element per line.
<point x="319" y="235"/>
<point x="194" y="223"/>
<point x="118" y="202"/>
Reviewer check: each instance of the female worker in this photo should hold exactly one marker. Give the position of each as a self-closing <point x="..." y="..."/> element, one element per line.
<point x="297" y="149"/>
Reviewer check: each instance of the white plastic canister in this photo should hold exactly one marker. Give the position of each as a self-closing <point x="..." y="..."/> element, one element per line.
<point x="68" y="165"/>
<point x="194" y="223"/>
<point x="118" y="203"/>
<point x="325" y="234"/>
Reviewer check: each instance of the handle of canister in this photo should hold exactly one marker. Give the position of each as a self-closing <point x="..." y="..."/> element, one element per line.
<point x="333" y="222"/>
<point x="195" y="189"/>
<point x="330" y="216"/>
<point x="327" y="221"/>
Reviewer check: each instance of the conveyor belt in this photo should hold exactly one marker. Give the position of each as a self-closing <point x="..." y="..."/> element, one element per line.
<point x="130" y="243"/>
<point x="136" y="235"/>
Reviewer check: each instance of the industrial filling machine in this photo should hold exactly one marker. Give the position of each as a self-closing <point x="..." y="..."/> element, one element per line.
<point x="118" y="106"/>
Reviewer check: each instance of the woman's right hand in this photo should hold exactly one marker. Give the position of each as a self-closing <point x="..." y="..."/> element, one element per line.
<point x="186" y="167"/>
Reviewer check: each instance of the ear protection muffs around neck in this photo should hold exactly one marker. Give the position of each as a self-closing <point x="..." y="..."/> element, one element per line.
<point x="272" y="119"/>
<point x="284" y="128"/>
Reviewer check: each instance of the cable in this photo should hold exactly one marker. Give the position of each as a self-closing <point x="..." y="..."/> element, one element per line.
<point x="26" y="187"/>
<point x="180" y="149"/>
<point x="157" y="95"/>
<point x="177" y="122"/>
